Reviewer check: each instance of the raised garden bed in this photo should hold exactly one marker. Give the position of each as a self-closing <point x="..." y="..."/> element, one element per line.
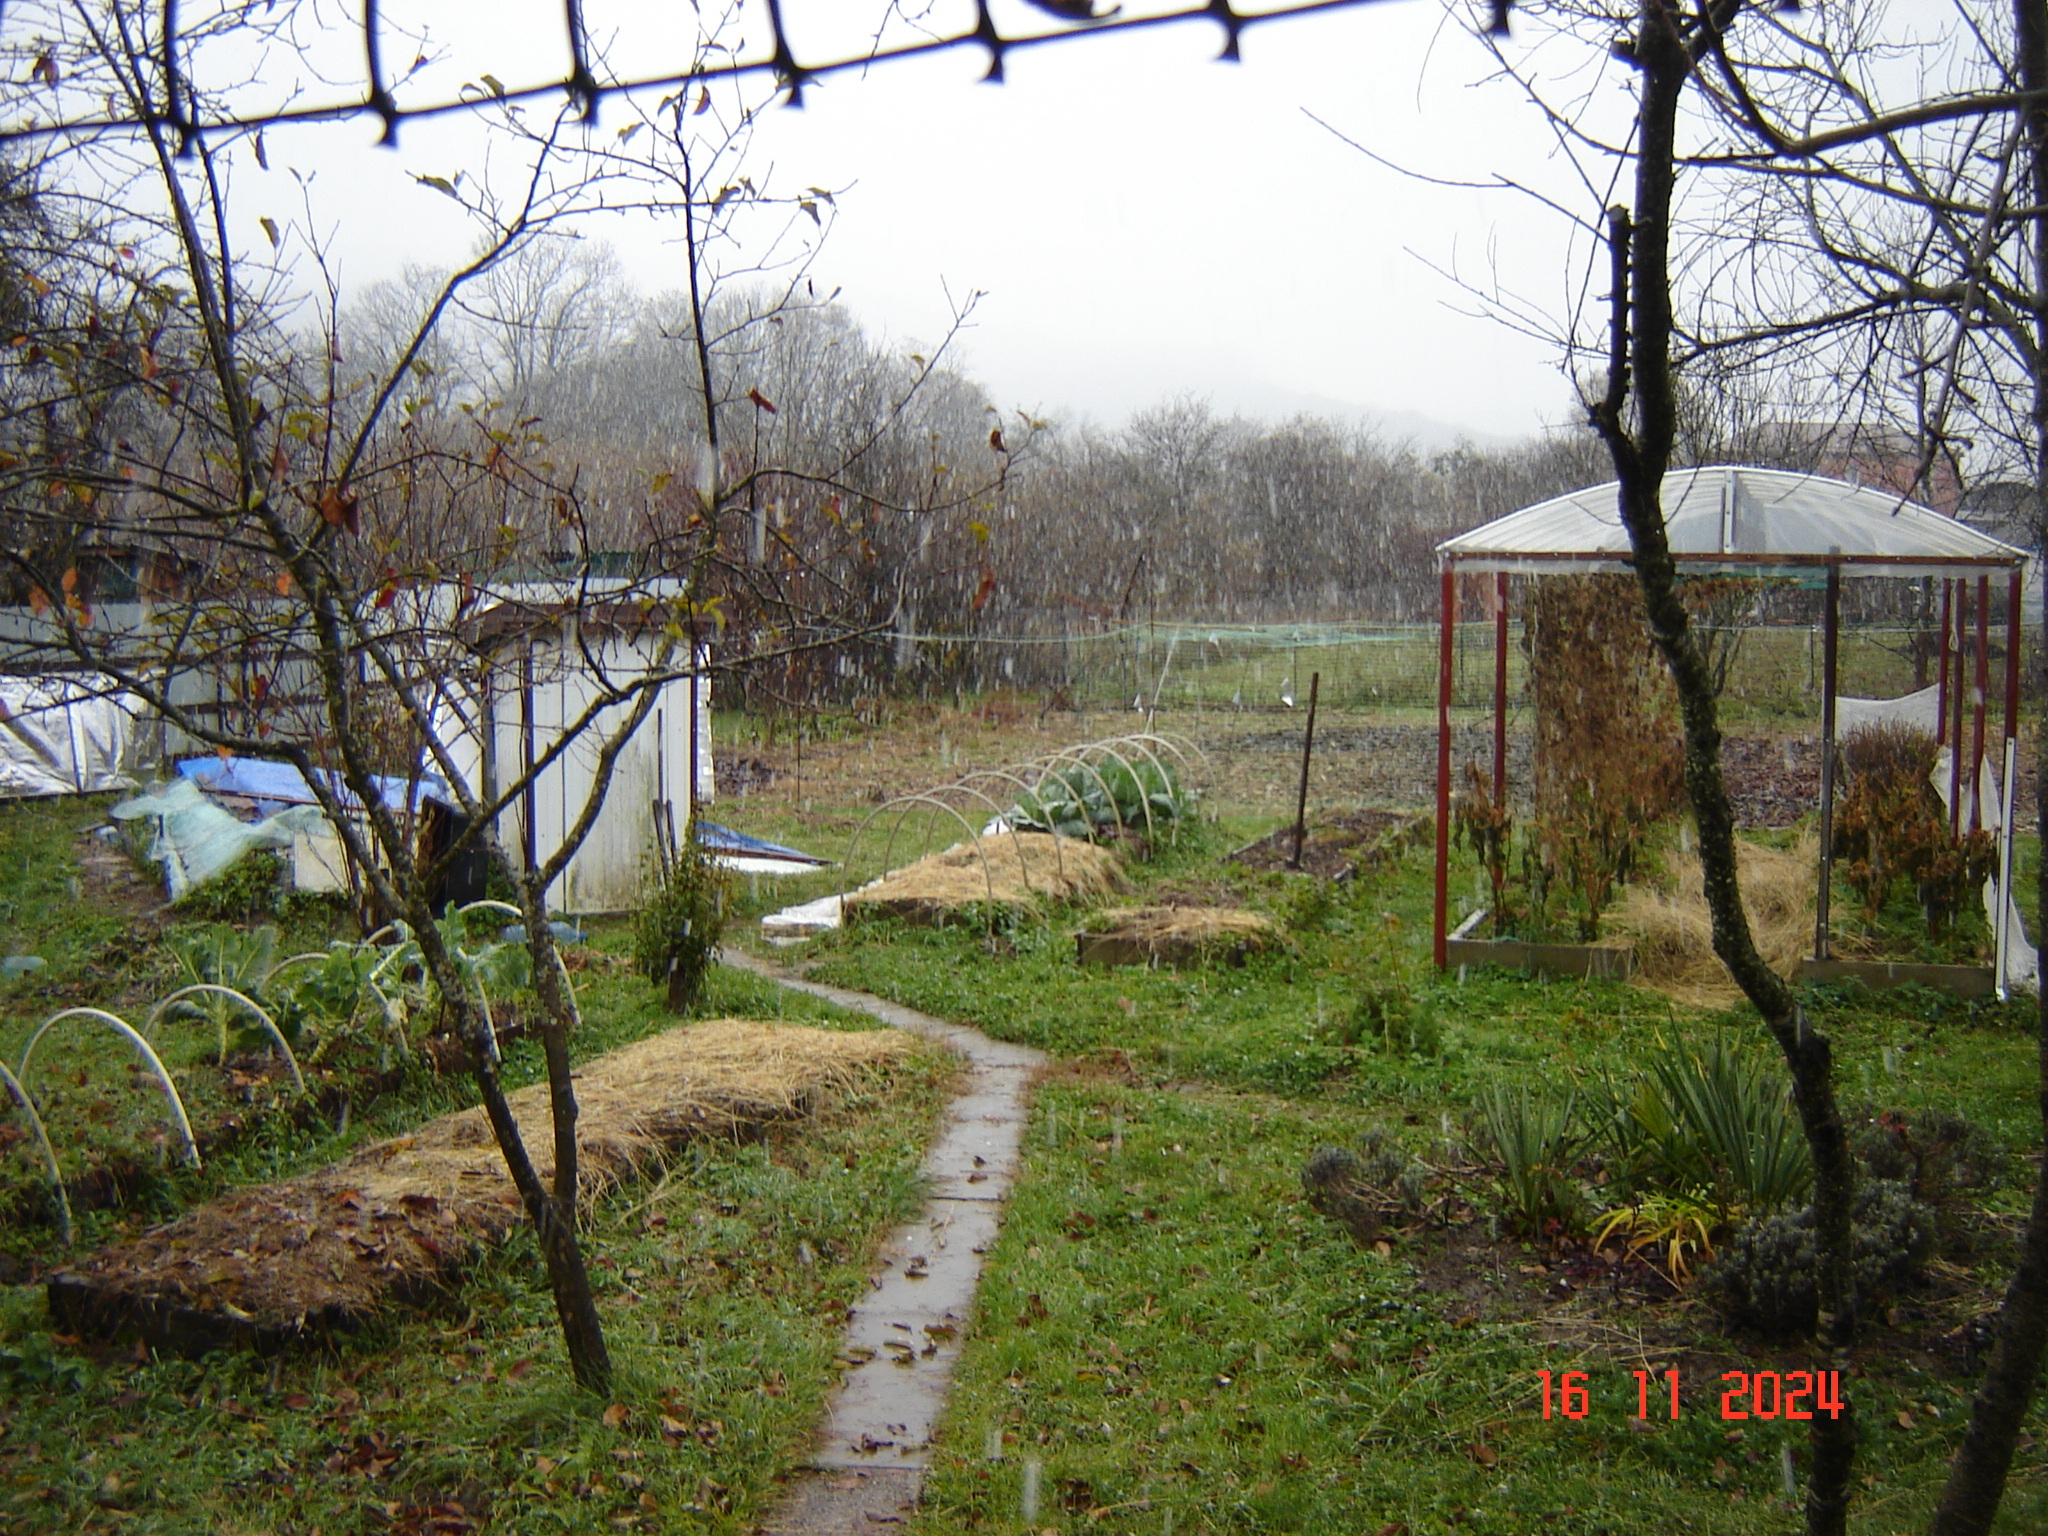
<point x="1967" y="981"/>
<point x="1616" y="961"/>
<point x="272" y="1264"/>
<point x="1175" y="936"/>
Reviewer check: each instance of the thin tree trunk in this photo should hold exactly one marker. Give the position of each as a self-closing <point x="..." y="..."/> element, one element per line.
<point x="1640" y="442"/>
<point x="1976" y="1481"/>
<point x="552" y="1215"/>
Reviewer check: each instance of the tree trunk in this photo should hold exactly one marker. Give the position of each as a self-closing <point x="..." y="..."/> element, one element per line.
<point x="552" y="1212"/>
<point x="1637" y="420"/>
<point x="1976" y="1481"/>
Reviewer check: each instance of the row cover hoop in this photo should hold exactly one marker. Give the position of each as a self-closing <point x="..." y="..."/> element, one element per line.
<point x="1026" y="777"/>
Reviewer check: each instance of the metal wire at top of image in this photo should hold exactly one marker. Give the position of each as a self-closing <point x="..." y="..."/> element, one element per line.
<point x="1081" y="18"/>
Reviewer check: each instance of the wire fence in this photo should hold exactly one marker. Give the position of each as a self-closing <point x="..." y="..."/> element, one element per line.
<point x="1178" y="668"/>
<point x="176" y="105"/>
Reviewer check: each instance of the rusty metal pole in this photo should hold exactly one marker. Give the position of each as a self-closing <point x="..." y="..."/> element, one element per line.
<point x="1959" y="699"/>
<point x="1443" y="766"/>
<point x="1500" y="689"/>
<point x="1982" y="692"/>
<point x="1941" y="677"/>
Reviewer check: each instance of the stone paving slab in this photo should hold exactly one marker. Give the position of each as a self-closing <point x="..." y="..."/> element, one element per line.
<point x="902" y="1342"/>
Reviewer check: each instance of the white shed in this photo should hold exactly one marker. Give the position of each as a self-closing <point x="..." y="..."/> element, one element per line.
<point x="545" y="676"/>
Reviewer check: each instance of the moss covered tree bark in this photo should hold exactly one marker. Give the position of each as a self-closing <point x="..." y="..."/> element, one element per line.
<point x="1636" y="417"/>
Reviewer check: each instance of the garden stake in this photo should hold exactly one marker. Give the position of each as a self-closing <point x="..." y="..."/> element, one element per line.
<point x="1308" y="742"/>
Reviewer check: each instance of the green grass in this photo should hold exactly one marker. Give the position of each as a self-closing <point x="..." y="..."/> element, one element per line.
<point x="40" y="908"/>
<point x="1165" y="1327"/>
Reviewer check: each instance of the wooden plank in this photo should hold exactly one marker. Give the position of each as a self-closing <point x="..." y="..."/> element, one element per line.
<point x="1959" y="980"/>
<point x="1616" y="961"/>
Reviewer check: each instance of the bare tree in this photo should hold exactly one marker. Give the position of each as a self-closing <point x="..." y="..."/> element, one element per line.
<point x="344" y="521"/>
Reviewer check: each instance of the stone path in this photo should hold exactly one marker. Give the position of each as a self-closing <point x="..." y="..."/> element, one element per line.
<point x="865" y="1469"/>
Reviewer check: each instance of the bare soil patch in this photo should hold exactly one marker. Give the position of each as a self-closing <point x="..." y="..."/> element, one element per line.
<point x="1338" y="843"/>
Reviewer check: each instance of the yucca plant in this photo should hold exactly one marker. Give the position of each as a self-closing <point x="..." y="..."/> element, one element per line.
<point x="1531" y="1140"/>
<point x="1711" y="1119"/>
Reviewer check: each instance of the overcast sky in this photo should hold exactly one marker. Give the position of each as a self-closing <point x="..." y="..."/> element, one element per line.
<point x="1144" y="221"/>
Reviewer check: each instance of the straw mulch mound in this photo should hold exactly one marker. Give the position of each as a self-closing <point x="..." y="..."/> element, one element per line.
<point x="1176" y="936"/>
<point x="1025" y="868"/>
<point x="1674" y="940"/>
<point x="268" y="1264"/>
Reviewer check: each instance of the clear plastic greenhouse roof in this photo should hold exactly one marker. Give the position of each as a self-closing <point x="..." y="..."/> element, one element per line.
<point x="1739" y="520"/>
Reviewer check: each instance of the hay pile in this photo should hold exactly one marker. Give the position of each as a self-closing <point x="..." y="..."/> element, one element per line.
<point x="1173" y="935"/>
<point x="1674" y="939"/>
<point x="274" y="1262"/>
<point x="1024" y="867"/>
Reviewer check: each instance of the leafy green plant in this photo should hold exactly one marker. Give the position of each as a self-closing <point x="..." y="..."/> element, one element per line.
<point x="33" y="1365"/>
<point x="1530" y="1140"/>
<point x="329" y="998"/>
<point x="1389" y="1016"/>
<point x="675" y="936"/>
<point x="254" y="886"/>
<point x="1104" y="799"/>
<point x="221" y="956"/>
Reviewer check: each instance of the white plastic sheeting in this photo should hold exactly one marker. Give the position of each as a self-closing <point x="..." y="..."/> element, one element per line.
<point x="63" y="736"/>
<point x="1752" y="518"/>
<point x="195" y="840"/>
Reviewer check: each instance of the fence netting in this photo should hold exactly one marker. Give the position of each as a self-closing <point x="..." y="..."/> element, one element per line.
<point x="792" y="43"/>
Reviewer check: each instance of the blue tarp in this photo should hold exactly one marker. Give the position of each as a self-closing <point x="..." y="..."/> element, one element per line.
<point x="276" y="785"/>
<point x="730" y="844"/>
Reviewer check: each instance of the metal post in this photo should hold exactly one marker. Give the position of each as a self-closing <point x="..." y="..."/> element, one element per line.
<point x="1955" y="724"/>
<point x="1443" y="767"/>
<point x="1831" y="621"/>
<point x="2014" y="638"/>
<point x="1941" y="680"/>
<point x="1308" y="741"/>
<point x="1982" y="692"/>
<point x="1500" y="689"/>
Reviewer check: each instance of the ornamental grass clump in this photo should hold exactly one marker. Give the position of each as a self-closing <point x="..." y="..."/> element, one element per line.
<point x="1530" y="1141"/>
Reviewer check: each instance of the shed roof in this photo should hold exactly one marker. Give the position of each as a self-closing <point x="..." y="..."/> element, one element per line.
<point x="1737" y="519"/>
